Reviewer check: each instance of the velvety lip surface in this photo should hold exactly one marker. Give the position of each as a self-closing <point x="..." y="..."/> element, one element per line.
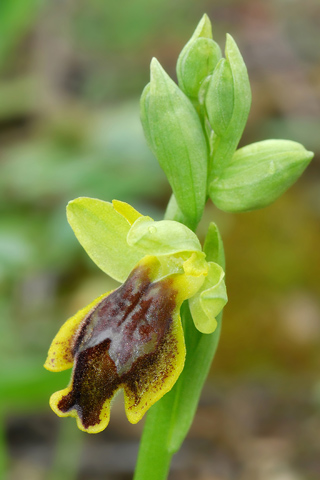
<point x="120" y="342"/>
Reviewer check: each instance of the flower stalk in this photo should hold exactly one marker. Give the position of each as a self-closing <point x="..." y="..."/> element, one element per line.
<point x="169" y="420"/>
<point x="155" y="336"/>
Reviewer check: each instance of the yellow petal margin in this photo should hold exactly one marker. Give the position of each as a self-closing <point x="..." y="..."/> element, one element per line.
<point x="131" y="339"/>
<point x="159" y="377"/>
<point x="104" y="416"/>
<point x="60" y="352"/>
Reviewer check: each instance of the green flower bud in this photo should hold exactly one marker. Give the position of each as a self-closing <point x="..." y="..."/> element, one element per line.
<point x="258" y="174"/>
<point x="174" y="133"/>
<point x="219" y="98"/>
<point x="196" y="61"/>
<point x="144" y="104"/>
<point x="233" y="116"/>
<point x="203" y="29"/>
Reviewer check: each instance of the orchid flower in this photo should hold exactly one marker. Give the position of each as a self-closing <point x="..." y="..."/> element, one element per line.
<point x="132" y="338"/>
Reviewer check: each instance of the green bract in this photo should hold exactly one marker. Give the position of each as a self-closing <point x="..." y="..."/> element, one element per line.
<point x="197" y="59"/>
<point x="174" y="133"/>
<point x="228" y="103"/>
<point x="117" y="238"/>
<point x="258" y="174"/>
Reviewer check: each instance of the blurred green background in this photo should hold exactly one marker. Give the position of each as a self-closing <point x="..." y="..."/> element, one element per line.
<point x="71" y="72"/>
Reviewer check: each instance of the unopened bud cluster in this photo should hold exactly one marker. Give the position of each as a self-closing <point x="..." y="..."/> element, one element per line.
<point x="194" y="130"/>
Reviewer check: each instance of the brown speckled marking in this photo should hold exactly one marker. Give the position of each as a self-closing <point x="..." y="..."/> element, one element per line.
<point x="126" y="340"/>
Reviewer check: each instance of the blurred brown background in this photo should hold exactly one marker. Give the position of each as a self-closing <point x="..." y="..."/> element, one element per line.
<point x="71" y="73"/>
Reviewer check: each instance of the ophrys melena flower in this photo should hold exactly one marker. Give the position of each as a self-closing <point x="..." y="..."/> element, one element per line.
<point x="131" y="338"/>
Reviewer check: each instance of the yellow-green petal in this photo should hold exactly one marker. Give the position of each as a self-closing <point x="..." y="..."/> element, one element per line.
<point x="102" y="231"/>
<point x="208" y="302"/>
<point x="165" y="237"/>
<point x="126" y="210"/>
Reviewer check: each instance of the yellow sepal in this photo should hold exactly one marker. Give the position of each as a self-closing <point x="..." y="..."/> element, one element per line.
<point x="126" y="210"/>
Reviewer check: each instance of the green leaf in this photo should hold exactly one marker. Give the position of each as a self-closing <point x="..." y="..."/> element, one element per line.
<point x="162" y="238"/>
<point x="102" y="232"/>
<point x="258" y="174"/>
<point x="226" y="144"/>
<point x="174" y="133"/>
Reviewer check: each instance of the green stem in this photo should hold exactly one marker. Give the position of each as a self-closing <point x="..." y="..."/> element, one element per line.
<point x="169" y="420"/>
<point x="154" y="457"/>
